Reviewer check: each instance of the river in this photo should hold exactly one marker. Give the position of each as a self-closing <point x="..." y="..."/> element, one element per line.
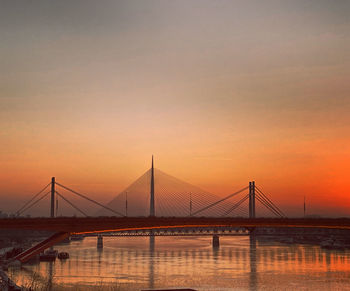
<point x="240" y="263"/>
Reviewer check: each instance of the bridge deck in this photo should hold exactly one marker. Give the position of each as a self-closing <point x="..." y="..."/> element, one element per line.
<point x="106" y="224"/>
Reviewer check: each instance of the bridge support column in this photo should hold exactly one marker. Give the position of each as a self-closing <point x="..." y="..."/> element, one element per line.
<point x="252" y="199"/>
<point x="100" y="241"/>
<point x="216" y="241"/>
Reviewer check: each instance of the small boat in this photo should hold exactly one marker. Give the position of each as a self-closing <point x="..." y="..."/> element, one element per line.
<point x="63" y="255"/>
<point x="48" y="256"/>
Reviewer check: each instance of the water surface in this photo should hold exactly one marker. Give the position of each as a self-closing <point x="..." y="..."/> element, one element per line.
<point x="241" y="263"/>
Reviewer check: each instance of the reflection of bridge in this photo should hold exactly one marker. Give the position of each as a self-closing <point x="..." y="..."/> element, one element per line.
<point x="252" y="260"/>
<point x="192" y="210"/>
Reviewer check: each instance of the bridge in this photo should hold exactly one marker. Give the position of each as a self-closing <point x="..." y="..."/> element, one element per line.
<point x="81" y="225"/>
<point x="157" y="194"/>
<point x="152" y="226"/>
<point x="184" y="210"/>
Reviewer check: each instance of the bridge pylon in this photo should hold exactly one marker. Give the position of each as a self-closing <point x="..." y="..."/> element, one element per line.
<point x="252" y="199"/>
<point x="151" y="206"/>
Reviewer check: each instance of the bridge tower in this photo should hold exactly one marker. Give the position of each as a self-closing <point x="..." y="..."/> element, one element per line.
<point x="252" y="199"/>
<point x="52" y="213"/>
<point x="151" y="206"/>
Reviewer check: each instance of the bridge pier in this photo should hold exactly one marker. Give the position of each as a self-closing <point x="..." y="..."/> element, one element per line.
<point x="100" y="242"/>
<point x="216" y="241"/>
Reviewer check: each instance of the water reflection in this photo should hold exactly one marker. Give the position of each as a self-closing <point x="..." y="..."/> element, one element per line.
<point x="155" y="262"/>
<point x="50" y="276"/>
<point x="252" y="260"/>
<point x="151" y="261"/>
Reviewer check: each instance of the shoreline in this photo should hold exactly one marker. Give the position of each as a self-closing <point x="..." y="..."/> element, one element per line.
<point x="6" y="284"/>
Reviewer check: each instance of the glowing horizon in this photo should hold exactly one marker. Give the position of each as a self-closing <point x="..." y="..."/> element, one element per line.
<point x="221" y="92"/>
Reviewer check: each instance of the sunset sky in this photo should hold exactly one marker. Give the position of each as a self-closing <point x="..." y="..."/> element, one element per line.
<point x="221" y="92"/>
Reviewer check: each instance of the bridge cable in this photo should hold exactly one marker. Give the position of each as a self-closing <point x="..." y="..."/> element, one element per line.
<point x="199" y="202"/>
<point x="35" y="202"/>
<point x="159" y="206"/>
<point x="177" y="208"/>
<point x="236" y="211"/>
<point x="89" y="199"/>
<point x="279" y="210"/>
<point x="179" y="195"/>
<point x="242" y="211"/>
<point x="36" y="195"/>
<point x="221" y="208"/>
<point x="236" y="205"/>
<point x="268" y="205"/>
<point x="217" y="202"/>
<point x="163" y="205"/>
<point x="71" y="204"/>
<point x="184" y="199"/>
<point x="197" y="199"/>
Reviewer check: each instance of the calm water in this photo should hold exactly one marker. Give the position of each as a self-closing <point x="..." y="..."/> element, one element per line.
<point x="241" y="263"/>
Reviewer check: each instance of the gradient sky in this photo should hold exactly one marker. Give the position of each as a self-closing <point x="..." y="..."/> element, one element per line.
<point x="221" y="92"/>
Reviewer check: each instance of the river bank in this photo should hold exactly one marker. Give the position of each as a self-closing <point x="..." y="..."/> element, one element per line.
<point x="6" y="284"/>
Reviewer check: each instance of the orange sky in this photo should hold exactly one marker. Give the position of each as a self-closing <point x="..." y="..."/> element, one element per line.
<point x="233" y="92"/>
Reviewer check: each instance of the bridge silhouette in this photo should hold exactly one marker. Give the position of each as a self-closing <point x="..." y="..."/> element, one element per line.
<point x="156" y="193"/>
<point x="184" y="210"/>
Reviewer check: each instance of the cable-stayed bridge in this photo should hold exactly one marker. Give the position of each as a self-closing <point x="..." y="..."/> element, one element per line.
<point x="158" y="194"/>
<point x="159" y="204"/>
